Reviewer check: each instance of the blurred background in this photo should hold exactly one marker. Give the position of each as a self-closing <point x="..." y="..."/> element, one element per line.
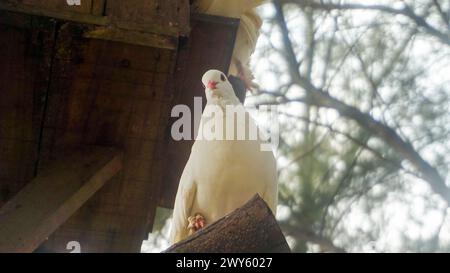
<point x="363" y="95"/>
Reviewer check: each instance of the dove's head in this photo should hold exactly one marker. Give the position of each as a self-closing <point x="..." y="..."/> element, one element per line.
<point x="218" y="87"/>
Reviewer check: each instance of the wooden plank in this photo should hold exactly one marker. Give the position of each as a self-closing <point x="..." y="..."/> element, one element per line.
<point x="25" y="61"/>
<point x="184" y="17"/>
<point x="64" y="14"/>
<point x="53" y="196"/>
<point x="58" y="5"/>
<point x="251" y="228"/>
<point x="98" y="7"/>
<point x="154" y="23"/>
<point x="157" y="16"/>
<point x="210" y="45"/>
<point x="109" y="93"/>
<point x="133" y="37"/>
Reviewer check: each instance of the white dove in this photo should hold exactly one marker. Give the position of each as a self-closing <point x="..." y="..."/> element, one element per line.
<point x="221" y="175"/>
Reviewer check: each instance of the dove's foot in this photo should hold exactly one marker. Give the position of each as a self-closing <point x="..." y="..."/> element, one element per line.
<point x="196" y="222"/>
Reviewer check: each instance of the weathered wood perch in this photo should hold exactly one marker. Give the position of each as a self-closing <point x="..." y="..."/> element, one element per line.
<point x="250" y="228"/>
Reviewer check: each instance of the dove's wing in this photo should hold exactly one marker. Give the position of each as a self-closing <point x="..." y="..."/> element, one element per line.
<point x="270" y="196"/>
<point x="270" y="193"/>
<point x="184" y="200"/>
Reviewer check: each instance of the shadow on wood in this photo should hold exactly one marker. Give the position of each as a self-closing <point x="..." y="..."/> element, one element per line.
<point x="250" y="228"/>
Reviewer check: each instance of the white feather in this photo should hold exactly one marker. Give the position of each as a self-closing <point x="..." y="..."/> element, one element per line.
<point x="221" y="175"/>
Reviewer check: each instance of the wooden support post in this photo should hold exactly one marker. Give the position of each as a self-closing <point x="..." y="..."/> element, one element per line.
<point x="53" y="196"/>
<point x="251" y="228"/>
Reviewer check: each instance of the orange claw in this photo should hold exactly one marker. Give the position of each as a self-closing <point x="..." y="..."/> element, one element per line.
<point x="196" y="222"/>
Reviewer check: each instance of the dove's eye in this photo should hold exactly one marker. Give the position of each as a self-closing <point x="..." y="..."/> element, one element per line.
<point x="222" y="77"/>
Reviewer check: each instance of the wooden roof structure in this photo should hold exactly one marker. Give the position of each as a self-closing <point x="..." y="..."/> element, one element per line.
<point x="85" y="98"/>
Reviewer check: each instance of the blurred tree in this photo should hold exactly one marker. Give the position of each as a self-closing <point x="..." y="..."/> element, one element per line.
<point x="364" y="96"/>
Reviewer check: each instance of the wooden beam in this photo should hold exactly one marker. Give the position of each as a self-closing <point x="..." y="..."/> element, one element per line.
<point x="161" y="33"/>
<point x="59" y="14"/>
<point x="251" y="228"/>
<point x="53" y="196"/>
<point x="156" y="16"/>
<point x="133" y="37"/>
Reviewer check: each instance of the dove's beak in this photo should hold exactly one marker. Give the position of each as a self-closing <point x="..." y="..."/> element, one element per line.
<point x="212" y="85"/>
